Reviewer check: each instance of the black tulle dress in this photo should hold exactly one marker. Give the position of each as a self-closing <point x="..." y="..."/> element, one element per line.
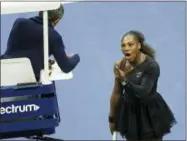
<point x="141" y="112"/>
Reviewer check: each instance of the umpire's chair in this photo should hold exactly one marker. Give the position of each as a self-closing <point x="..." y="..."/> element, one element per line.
<point x="28" y="108"/>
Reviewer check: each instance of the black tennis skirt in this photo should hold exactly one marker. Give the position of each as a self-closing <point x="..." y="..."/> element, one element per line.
<point x="140" y="120"/>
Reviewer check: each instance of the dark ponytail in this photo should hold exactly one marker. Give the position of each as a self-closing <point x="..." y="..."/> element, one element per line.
<point x="145" y="47"/>
<point x="148" y="50"/>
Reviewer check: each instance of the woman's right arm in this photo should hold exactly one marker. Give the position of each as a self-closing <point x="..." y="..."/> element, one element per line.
<point x="114" y="97"/>
<point x="115" y="93"/>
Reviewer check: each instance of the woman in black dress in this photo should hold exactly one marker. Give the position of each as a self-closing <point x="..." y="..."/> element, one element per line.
<point x="137" y="110"/>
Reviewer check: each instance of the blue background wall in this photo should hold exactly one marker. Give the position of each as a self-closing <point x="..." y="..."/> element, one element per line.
<point x="94" y="30"/>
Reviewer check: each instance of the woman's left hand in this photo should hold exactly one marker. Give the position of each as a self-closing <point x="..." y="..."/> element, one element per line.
<point x="119" y="73"/>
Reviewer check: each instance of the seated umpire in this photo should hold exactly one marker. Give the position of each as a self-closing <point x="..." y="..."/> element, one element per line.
<point x="26" y="40"/>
